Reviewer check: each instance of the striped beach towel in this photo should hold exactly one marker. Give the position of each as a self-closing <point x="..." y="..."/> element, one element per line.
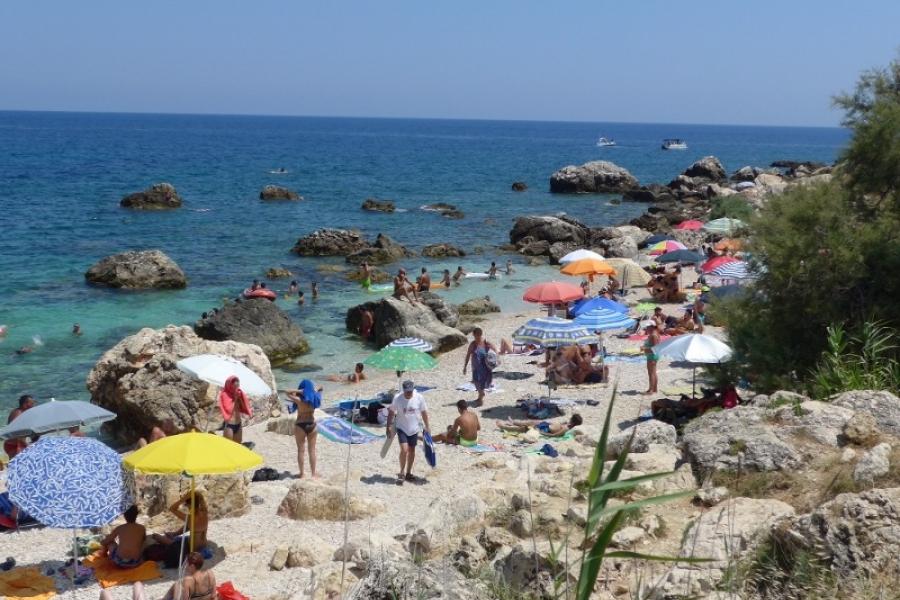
<point x="344" y="432"/>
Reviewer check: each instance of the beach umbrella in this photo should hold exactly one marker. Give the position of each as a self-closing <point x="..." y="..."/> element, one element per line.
<point x="657" y="238"/>
<point x="629" y="273"/>
<point x="723" y="291"/>
<point x="578" y="255"/>
<point x="193" y="454"/>
<point x="690" y="225"/>
<point x="553" y="292"/>
<point x="724" y="226"/>
<point x="695" y="348"/>
<point x="68" y="483"/>
<point x="215" y="369"/>
<point x="729" y="245"/>
<point x="716" y="261"/>
<point x="412" y="342"/>
<point x="588" y="266"/>
<point x="597" y="302"/>
<point x="687" y="257"/>
<point x="393" y="358"/>
<point x="603" y="319"/>
<point x="553" y="331"/>
<point x="733" y="270"/>
<point x="55" y="416"/>
<point x="665" y="246"/>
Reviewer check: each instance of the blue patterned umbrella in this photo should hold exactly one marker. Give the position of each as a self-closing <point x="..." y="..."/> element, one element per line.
<point x="602" y="319"/>
<point x="582" y="306"/>
<point x="68" y="482"/>
<point x="553" y="331"/>
<point x="733" y="270"/>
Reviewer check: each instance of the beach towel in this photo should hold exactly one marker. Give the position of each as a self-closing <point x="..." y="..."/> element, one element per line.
<point x="677" y="391"/>
<point x="618" y="358"/>
<point x="26" y="583"/>
<point x="470" y="387"/>
<point x="109" y="575"/>
<point x="424" y="388"/>
<point x="640" y="337"/>
<point x="310" y="395"/>
<point x="480" y="448"/>
<point x="344" y="432"/>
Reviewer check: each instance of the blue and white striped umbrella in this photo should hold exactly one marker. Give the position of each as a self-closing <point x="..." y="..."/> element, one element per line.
<point x="412" y="342"/>
<point x="553" y="331"/>
<point x="733" y="270"/>
<point x="68" y="482"/>
<point x="602" y="319"/>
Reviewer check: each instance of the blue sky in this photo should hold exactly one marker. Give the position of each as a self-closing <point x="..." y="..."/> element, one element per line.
<point x="697" y="61"/>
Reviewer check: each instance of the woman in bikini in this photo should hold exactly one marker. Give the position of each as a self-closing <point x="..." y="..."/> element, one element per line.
<point x="232" y="404"/>
<point x="653" y="339"/>
<point x="307" y="399"/>
<point x="198" y="583"/>
<point x="182" y="510"/>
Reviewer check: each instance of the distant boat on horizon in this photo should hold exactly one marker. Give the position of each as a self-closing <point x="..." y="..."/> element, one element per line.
<point x="674" y="144"/>
<point x="603" y="142"/>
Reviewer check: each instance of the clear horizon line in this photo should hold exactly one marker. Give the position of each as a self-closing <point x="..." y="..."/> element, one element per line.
<point x="387" y="118"/>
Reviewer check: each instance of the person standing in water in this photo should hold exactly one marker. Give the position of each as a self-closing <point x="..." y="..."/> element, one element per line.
<point x="292" y="289"/>
<point x="307" y="399"/>
<point x="482" y="373"/>
<point x="315" y="290"/>
<point x="76" y="329"/>
<point x="509" y="267"/>
<point x="492" y="272"/>
<point x="424" y="281"/>
<point x="232" y="404"/>
<point x="460" y="273"/>
<point x="13" y="446"/>
<point x="445" y="280"/>
<point x="365" y="275"/>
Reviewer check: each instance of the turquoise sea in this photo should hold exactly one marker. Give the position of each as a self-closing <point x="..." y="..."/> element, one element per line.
<point x="62" y="176"/>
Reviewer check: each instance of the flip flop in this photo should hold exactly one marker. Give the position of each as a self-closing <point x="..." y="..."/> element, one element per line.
<point x="8" y="564"/>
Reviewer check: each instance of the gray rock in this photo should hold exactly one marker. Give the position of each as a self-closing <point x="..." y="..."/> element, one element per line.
<point x="145" y="269"/>
<point x="255" y="321"/>
<point x="822" y="421"/>
<point x="277" y="273"/>
<point x="445" y="210"/>
<point x="406" y="579"/>
<point x="861" y="429"/>
<point x="310" y="500"/>
<point x="276" y="192"/>
<point x="712" y="496"/>
<point x="447" y="313"/>
<point x="441" y="521"/>
<point x="279" y="559"/>
<point x="874" y="464"/>
<point x="383" y="251"/>
<point x="160" y="196"/>
<point x="395" y="319"/>
<point x="549" y="229"/>
<point x="520" y="524"/>
<point x="883" y="405"/>
<point x="519" y="186"/>
<point x="469" y="556"/>
<point x="628" y="537"/>
<point x="375" y="205"/>
<point x="707" y="167"/>
<point x="741" y="437"/>
<point x="330" y="242"/>
<point x="645" y="434"/>
<point x="621" y="247"/>
<point x="577" y="514"/>
<point x="478" y="306"/>
<point x="598" y="176"/>
<point x="442" y="250"/>
<point x="747" y="173"/>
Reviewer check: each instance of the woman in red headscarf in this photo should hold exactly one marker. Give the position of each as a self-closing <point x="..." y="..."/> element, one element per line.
<point x="233" y="403"/>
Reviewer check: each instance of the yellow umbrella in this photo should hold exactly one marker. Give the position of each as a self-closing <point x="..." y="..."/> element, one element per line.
<point x="588" y="266"/>
<point x="193" y="454"/>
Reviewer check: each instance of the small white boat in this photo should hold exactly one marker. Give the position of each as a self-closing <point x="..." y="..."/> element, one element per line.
<point x="674" y="144"/>
<point x="602" y="142"/>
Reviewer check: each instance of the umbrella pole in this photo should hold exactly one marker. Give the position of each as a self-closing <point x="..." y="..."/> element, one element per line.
<point x="694" y="383"/>
<point x="74" y="559"/>
<point x="192" y="514"/>
<point x="347" y="496"/>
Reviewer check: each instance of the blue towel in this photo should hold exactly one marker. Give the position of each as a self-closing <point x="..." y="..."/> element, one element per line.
<point x="310" y="395"/>
<point x="344" y="432"/>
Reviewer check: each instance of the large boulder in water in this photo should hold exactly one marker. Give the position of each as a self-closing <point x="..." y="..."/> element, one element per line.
<point x="330" y="242"/>
<point x="144" y="269"/>
<point x="255" y="321"/>
<point x="442" y="250"/>
<point x="385" y="250"/>
<point x="137" y="379"/>
<point x="708" y="167"/>
<point x="395" y="319"/>
<point x="549" y="229"/>
<point x="375" y="205"/>
<point x="277" y="192"/>
<point x="159" y="196"/>
<point x="597" y="176"/>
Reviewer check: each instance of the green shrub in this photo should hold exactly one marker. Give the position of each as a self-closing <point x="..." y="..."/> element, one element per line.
<point x="734" y="207"/>
<point x="867" y="361"/>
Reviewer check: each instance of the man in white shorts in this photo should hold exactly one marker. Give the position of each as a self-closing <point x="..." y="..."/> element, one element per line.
<point x="404" y="413"/>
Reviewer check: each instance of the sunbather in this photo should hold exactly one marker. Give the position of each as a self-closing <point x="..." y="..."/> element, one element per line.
<point x="465" y="428"/>
<point x="198" y="583"/>
<point x="125" y="544"/>
<point x="546" y="428"/>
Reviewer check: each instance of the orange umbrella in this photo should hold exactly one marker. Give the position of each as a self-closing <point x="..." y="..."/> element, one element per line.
<point x="553" y="292"/>
<point x="729" y="244"/>
<point x="588" y="266"/>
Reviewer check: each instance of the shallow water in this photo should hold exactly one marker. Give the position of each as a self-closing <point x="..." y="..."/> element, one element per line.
<point x="63" y="174"/>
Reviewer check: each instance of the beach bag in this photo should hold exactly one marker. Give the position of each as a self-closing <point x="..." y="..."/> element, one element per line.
<point x="370" y="412"/>
<point x="491" y="360"/>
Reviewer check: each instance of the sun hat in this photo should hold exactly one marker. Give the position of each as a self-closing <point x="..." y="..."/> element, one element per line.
<point x="408" y="386"/>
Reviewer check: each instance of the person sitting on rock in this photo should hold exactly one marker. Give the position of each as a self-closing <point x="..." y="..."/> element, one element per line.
<point x="124" y="545"/>
<point x="403" y="287"/>
<point x="464" y="430"/>
<point x="182" y="510"/>
<point x="546" y="428"/>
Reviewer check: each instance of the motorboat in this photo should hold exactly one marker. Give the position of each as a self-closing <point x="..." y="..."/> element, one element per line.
<point x="674" y="144"/>
<point x="603" y="142"/>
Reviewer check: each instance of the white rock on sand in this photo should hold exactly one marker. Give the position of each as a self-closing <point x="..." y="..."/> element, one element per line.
<point x="245" y="545"/>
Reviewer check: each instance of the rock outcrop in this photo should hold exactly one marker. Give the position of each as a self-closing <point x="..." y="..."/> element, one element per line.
<point x="160" y="196"/>
<point x="313" y="500"/>
<point x="519" y="186"/>
<point x="330" y="242"/>
<point x="530" y="229"/>
<point x="478" y="306"/>
<point x="882" y="405"/>
<point x="278" y="273"/>
<point x="383" y="251"/>
<point x="277" y="192"/>
<point x="395" y="319"/>
<point x="144" y="269"/>
<point x="375" y="205"/>
<point x="137" y="379"/>
<point x="255" y="321"/>
<point x="594" y="177"/>
<point x="445" y="210"/>
<point x="708" y="168"/>
<point x="442" y="250"/>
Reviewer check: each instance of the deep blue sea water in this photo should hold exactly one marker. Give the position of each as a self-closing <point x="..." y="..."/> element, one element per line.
<point x="62" y="176"/>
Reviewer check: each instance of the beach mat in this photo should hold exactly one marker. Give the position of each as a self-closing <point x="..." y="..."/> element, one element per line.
<point x="618" y="358"/>
<point x="26" y="583"/>
<point x="470" y="387"/>
<point x="481" y="448"/>
<point x="343" y="432"/>
<point x="109" y="575"/>
<point x="351" y="403"/>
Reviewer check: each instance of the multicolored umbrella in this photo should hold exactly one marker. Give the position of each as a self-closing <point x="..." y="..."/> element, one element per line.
<point x="656" y="238"/>
<point x="724" y="226"/>
<point x="578" y="255"/>
<point x="688" y="257"/>
<point x="716" y="261"/>
<point x="603" y="319"/>
<point x="55" y="416"/>
<point x="412" y="342"/>
<point x="553" y="292"/>
<point x="392" y="358"/>
<point x="553" y="331"/>
<point x="583" y="306"/>
<point x="690" y="225"/>
<point x="665" y="246"/>
<point x="588" y="266"/>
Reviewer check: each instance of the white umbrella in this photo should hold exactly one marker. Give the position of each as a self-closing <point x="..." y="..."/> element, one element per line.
<point x="579" y="255"/>
<point x="215" y="369"/>
<point x="55" y="416"/>
<point x="694" y="348"/>
<point x="412" y="342"/>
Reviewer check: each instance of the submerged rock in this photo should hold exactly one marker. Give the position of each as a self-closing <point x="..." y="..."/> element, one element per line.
<point x="144" y="269"/>
<point x="519" y="186"/>
<point x="159" y="196"/>
<point x="442" y="250"/>
<point x="276" y="192"/>
<point x="375" y="205"/>
<point x="478" y="306"/>
<point x="598" y="176"/>
<point x="445" y="210"/>
<point x="385" y="250"/>
<point x="255" y="321"/>
<point x="330" y="242"/>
